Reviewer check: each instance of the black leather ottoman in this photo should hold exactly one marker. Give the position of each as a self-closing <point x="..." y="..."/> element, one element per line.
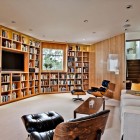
<point x="78" y="92"/>
<point x="41" y="122"/>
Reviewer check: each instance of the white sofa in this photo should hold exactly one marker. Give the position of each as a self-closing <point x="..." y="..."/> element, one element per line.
<point x="130" y="116"/>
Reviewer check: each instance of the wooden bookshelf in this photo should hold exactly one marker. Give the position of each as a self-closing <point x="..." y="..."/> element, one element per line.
<point x="76" y="76"/>
<point x="78" y="67"/>
<point x="17" y="85"/>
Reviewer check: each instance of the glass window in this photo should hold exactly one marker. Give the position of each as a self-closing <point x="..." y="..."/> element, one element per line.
<point x="52" y="59"/>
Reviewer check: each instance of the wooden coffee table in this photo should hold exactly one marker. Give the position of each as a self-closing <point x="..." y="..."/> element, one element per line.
<point x="85" y="109"/>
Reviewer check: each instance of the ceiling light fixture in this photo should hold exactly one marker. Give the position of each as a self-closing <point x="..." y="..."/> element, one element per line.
<point x="13" y="21"/>
<point x="85" y="20"/>
<point x="84" y="39"/>
<point x="129" y="6"/>
<point x="30" y="29"/>
<point x="127" y="20"/>
<point x="125" y="30"/>
<point x="126" y="25"/>
<point x="93" y="32"/>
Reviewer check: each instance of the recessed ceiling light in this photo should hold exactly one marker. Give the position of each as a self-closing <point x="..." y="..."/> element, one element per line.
<point x="30" y="29"/>
<point x="129" y="6"/>
<point x="125" y="30"/>
<point x="84" y="39"/>
<point x="13" y="21"/>
<point x="127" y="20"/>
<point x="86" y="21"/>
<point x="126" y="25"/>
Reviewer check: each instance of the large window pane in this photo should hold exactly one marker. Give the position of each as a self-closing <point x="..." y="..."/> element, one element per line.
<point x="52" y="59"/>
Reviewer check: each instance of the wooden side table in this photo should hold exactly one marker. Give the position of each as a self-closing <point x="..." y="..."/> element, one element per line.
<point x="85" y="109"/>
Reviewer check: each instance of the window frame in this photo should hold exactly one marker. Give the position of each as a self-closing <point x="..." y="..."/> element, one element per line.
<point x="56" y="47"/>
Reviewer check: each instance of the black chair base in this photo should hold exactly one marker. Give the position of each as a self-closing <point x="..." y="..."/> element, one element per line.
<point x="77" y="99"/>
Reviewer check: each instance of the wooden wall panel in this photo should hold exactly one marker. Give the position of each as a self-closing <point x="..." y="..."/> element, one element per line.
<point x="91" y="68"/>
<point x="114" y="45"/>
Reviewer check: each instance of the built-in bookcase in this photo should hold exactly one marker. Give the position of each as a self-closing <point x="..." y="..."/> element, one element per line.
<point x="30" y="81"/>
<point x="76" y="76"/>
<point x="78" y="67"/>
<point x="16" y="85"/>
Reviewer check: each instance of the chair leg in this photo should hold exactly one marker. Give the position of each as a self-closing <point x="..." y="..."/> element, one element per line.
<point x="28" y="138"/>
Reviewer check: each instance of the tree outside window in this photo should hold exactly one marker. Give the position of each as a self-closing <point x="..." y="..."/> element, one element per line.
<point x="52" y="59"/>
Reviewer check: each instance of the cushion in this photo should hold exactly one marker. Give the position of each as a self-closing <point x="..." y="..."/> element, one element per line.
<point x="105" y="83"/>
<point x="41" y="122"/>
<point x="78" y="92"/>
<point x="135" y="86"/>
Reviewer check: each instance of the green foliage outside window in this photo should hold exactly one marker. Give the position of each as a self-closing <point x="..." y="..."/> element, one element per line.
<point x="52" y="59"/>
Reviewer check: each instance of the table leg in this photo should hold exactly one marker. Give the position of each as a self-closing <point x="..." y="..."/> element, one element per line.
<point x="74" y="114"/>
<point x="103" y="104"/>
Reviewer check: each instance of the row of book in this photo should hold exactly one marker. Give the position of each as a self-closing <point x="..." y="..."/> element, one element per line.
<point x="44" y="83"/>
<point x="23" y="77"/>
<point x="31" y="77"/>
<point x="62" y="76"/>
<point x="47" y="89"/>
<point x="5" y="78"/>
<point x="78" y="82"/>
<point x="17" y="37"/>
<point x="8" y="97"/>
<point x="24" y="47"/>
<point x="36" y="90"/>
<point x="23" y="85"/>
<point x="5" y="34"/>
<point x="62" y="82"/>
<point x="36" y="76"/>
<point x="5" y="88"/>
<point x="62" y="88"/>
<point x="33" y="51"/>
<point x="44" y="76"/>
<point x="70" y="82"/>
<point x="53" y="82"/>
<point x="65" y="76"/>
<point x="70" y="88"/>
<point x="34" y="43"/>
<point x="36" y="83"/>
<point x="78" y="70"/>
